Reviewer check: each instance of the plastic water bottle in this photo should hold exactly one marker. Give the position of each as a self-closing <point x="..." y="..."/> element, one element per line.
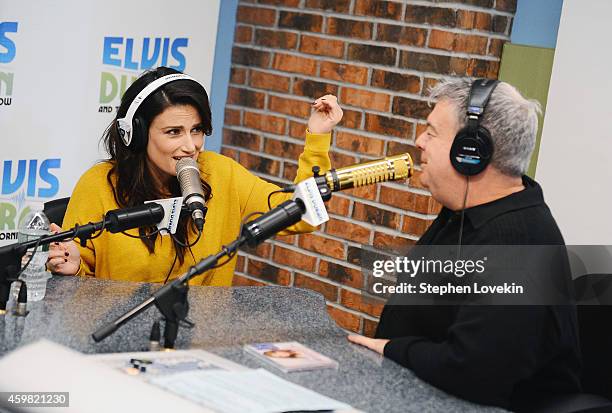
<point x="34" y="225"/>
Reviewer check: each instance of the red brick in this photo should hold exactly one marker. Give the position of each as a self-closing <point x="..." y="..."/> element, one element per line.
<point x="351" y="119"/>
<point x="410" y="36"/>
<point x="411" y="108"/>
<point x="379" y="8"/>
<point x="415" y="226"/>
<point x="287" y="239"/>
<point x="355" y="29"/>
<point x="240" y="260"/>
<point x="364" y="304"/>
<point x="375" y="215"/>
<point x="262" y="250"/>
<point x="396" y="81"/>
<point x="496" y="47"/>
<point x="365" y="99"/>
<point x="266" y="123"/>
<point x="348" y="231"/>
<point x="245" y="97"/>
<point x="250" y="57"/>
<point x="344" y="73"/>
<point x="365" y="192"/>
<point x="294" y="64"/>
<point x="506" y="5"/>
<point x="294" y="259"/>
<point x="301" y="21"/>
<point x="284" y="149"/>
<point x="238" y="75"/>
<point x="268" y="272"/>
<point x="277" y="39"/>
<point x="256" y="15"/>
<point x="396" y="148"/>
<point x="338" y="205"/>
<point x="425" y="62"/>
<point x="359" y="144"/>
<point x="344" y="319"/>
<point x="369" y="327"/>
<point x="240" y="281"/>
<point x="339" y="160"/>
<point x="292" y="107"/>
<point x="431" y="15"/>
<point x="381" y="55"/>
<point x="321" y="46"/>
<point x="415" y="180"/>
<point x="398" y="198"/>
<point x="232" y="117"/>
<point x="339" y="6"/>
<point x="269" y="81"/>
<point x="455" y="42"/>
<point x="313" y="89"/>
<point x="322" y="245"/>
<point x="297" y="130"/>
<point x="428" y="85"/>
<point x="230" y="153"/>
<point x="388" y="126"/>
<point x="241" y="139"/>
<point x="259" y="164"/>
<point x="391" y="242"/>
<point x="482" y="68"/>
<point x="329" y="291"/>
<point x="243" y="34"/>
<point x="467" y="19"/>
<point x="341" y="274"/>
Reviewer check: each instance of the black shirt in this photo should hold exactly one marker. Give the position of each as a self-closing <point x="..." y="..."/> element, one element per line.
<point x="508" y="356"/>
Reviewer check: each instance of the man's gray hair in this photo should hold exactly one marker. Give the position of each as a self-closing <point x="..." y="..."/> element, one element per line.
<point x="511" y="119"/>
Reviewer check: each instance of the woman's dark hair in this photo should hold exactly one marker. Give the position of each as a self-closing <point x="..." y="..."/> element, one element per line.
<point x="130" y="176"/>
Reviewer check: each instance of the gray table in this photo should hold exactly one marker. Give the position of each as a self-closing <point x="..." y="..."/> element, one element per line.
<point x="226" y="319"/>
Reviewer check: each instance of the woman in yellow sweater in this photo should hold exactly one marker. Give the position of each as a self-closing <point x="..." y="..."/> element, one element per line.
<point x="171" y="116"/>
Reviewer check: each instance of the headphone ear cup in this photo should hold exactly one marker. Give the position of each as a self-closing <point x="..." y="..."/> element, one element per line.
<point x="470" y="155"/>
<point x="139" y="134"/>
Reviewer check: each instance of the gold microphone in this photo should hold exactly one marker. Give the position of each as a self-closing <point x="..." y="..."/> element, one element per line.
<point x="391" y="168"/>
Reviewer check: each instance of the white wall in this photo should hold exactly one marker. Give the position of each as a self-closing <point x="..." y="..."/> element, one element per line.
<point x="575" y="162"/>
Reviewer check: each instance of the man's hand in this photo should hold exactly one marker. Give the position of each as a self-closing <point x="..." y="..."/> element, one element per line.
<point x="376" y="344"/>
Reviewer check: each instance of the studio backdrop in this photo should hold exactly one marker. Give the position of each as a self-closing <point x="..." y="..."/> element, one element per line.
<point x="64" y="65"/>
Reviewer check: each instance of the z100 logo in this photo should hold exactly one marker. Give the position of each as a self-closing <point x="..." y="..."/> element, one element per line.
<point x="132" y="55"/>
<point x="8" y="49"/>
<point x="25" y="175"/>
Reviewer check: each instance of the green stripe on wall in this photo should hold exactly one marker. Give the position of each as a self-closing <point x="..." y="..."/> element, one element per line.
<point x="529" y="68"/>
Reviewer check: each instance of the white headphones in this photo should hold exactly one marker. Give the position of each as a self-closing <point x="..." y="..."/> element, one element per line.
<point x="129" y="128"/>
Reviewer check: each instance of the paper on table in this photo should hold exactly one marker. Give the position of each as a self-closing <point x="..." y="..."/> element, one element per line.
<point x="255" y="391"/>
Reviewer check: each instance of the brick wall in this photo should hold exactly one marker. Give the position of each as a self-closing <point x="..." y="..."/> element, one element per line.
<point x="379" y="58"/>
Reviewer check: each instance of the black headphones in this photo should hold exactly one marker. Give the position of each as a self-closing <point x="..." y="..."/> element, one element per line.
<point x="132" y="128"/>
<point x="472" y="147"/>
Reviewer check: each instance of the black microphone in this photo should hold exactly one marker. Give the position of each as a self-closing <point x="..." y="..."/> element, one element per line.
<point x="144" y="215"/>
<point x="277" y="219"/>
<point x="188" y="175"/>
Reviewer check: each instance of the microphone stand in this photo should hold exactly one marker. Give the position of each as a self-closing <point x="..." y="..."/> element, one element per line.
<point x="11" y="255"/>
<point x="171" y="299"/>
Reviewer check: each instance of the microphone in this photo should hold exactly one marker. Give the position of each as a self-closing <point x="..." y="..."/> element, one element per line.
<point x="145" y="215"/>
<point x="275" y="220"/>
<point x="188" y="175"/>
<point x="391" y="168"/>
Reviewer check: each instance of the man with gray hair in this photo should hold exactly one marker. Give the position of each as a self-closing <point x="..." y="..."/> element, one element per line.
<point x="475" y="152"/>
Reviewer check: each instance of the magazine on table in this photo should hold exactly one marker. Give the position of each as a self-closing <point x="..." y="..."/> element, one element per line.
<point x="290" y="356"/>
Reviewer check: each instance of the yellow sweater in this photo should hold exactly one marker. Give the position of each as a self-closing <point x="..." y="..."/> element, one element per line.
<point x="236" y="193"/>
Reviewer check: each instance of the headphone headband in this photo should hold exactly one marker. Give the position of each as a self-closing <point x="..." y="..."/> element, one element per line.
<point x="125" y="124"/>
